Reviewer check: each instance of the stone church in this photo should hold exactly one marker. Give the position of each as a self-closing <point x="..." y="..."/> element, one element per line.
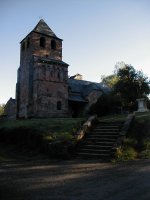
<point x="43" y="88"/>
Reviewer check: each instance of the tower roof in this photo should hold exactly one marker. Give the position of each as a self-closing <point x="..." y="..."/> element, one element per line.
<point x="43" y="28"/>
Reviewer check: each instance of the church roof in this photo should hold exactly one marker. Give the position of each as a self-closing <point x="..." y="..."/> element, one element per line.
<point x="85" y="87"/>
<point x="49" y="61"/>
<point x="79" y="89"/>
<point x="43" y="28"/>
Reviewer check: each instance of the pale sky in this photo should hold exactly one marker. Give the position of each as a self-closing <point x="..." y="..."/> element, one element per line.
<point x="96" y="34"/>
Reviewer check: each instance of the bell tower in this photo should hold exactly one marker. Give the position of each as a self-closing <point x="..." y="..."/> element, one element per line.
<point x="42" y="88"/>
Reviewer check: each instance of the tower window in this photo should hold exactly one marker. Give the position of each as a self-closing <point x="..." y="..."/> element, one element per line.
<point x="53" y="44"/>
<point x="28" y="42"/>
<point x="52" y="74"/>
<point x="23" y="46"/>
<point x="58" y="105"/>
<point x="58" y="75"/>
<point x="42" y="42"/>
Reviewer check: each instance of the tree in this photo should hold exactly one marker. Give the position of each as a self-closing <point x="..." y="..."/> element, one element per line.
<point x="110" y="80"/>
<point x="106" y="104"/>
<point x="131" y="85"/>
<point x="2" y="106"/>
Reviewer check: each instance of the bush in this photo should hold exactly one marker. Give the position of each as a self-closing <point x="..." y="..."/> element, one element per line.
<point x="37" y="134"/>
<point x="125" y="154"/>
<point x="130" y="142"/>
<point x="145" y="154"/>
<point x="106" y="104"/>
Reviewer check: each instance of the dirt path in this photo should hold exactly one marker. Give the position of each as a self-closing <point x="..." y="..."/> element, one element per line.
<point x="74" y="180"/>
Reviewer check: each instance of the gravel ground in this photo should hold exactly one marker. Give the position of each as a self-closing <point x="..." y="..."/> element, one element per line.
<point x="74" y="180"/>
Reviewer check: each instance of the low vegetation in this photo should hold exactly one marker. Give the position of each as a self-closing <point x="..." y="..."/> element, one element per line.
<point x="36" y="134"/>
<point x="137" y="143"/>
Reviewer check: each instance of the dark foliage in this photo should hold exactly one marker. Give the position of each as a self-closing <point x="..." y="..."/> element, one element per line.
<point x="106" y="104"/>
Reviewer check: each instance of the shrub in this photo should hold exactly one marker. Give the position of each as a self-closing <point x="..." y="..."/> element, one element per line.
<point x="130" y="142"/>
<point x="125" y="154"/>
<point x="146" y="144"/>
<point x="145" y="154"/>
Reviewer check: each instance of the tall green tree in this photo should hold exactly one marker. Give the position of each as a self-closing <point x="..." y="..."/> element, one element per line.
<point x="131" y="85"/>
<point x="110" y="80"/>
<point x="2" y="106"/>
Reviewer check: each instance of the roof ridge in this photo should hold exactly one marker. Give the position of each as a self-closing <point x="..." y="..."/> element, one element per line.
<point x="43" y="28"/>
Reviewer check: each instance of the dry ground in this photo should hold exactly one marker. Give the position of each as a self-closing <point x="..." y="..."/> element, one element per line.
<point x="74" y="180"/>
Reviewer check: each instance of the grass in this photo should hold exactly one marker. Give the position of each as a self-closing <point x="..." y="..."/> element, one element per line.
<point x="111" y="118"/>
<point x="137" y="143"/>
<point x="35" y="134"/>
<point x="43" y="125"/>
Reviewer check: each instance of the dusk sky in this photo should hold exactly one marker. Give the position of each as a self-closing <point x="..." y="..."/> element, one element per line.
<point x="96" y="34"/>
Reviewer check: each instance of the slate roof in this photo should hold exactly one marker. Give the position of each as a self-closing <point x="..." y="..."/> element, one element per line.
<point x="43" y="28"/>
<point x="77" y="98"/>
<point x="48" y="60"/>
<point x="79" y="89"/>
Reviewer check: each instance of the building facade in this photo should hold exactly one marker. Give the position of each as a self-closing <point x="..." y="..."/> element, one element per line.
<point x="43" y="88"/>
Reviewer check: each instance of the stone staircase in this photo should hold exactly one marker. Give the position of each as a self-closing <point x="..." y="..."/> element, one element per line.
<point x="98" y="144"/>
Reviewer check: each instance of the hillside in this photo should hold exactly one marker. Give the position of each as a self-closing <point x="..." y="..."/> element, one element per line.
<point x="137" y="143"/>
<point x="31" y="136"/>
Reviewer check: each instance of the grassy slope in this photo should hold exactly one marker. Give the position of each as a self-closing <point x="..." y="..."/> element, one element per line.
<point x="137" y="142"/>
<point x="43" y="125"/>
<point x="32" y="134"/>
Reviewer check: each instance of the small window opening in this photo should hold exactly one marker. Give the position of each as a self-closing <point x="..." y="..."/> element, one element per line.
<point x="58" y="75"/>
<point x="59" y="105"/>
<point x="42" y="42"/>
<point x="28" y="42"/>
<point x="52" y="74"/>
<point x="23" y="46"/>
<point x="53" y="44"/>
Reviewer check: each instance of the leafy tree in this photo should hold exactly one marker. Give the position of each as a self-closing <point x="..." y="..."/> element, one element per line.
<point x="131" y="85"/>
<point x="2" y="106"/>
<point x="110" y="80"/>
<point x="106" y="104"/>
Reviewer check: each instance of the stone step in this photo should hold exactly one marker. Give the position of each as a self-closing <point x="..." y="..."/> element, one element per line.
<point x="114" y="122"/>
<point x="104" y="151"/>
<point x="95" y="146"/>
<point x="101" y="139"/>
<point x="101" y="136"/>
<point x="104" y="134"/>
<point x="105" y="130"/>
<point x="108" y="126"/>
<point x="109" y="143"/>
<point x="99" y="143"/>
<point x="94" y="155"/>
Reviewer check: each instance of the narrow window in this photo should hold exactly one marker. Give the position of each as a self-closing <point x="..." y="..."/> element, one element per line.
<point x="58" y="105"/>
<point x="52" y="74"/>
<point x="28" y="42"/>
<point x="23" y="46"/>
<point x="58" y="75"/>
<point x="53" y="44"/>
<point x="42" y="42"/>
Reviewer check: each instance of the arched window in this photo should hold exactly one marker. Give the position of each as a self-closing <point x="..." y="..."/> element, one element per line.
<point x="42" y="42"/>
<point x="58" y="75"/>
<point x="58" y="105"/>
<point x="53" y="44"/>
<point x="52" y="73"/>
<point x="23" y="46"/>
<point x="28" y="42"/>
